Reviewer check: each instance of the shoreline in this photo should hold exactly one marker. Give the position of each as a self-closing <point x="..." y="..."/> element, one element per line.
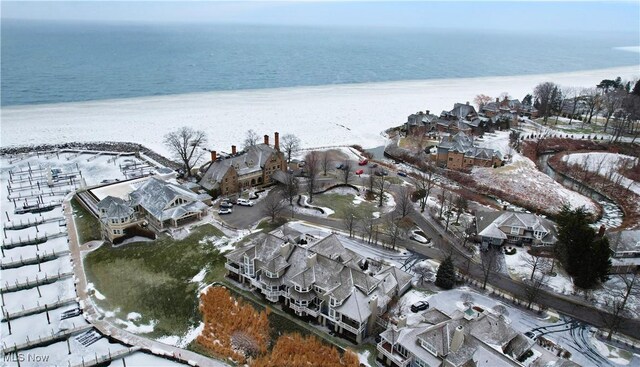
<point x="340" y="114"/>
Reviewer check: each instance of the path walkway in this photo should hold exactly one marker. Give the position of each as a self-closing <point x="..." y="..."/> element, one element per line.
<point x="93" y="316"/>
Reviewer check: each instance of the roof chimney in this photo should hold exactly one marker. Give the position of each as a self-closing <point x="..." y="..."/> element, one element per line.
<point x="284" y="249"/>
<point x="266" y="139"/>
<point x="276" y="140"/>
<point x="402" y="321"/>
<point x="458" y="338"/>
<point x="427" y="112"/>
<point x="213" y="155"/>
<point x="467" y="103"/>
<point x="497" y="99"/>
<point x="601" y="231"/>
<point x="233" y="150"/>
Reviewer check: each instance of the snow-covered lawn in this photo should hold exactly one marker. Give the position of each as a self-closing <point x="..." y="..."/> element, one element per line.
<point x="603" y="163"/>
<point x="522" y="179"/>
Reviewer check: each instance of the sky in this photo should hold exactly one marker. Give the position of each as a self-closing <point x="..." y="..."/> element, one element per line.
<point x="514" y="16"/>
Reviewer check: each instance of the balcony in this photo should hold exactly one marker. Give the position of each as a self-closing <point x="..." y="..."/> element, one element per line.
<point x="304" y="310"/>
<point x="270" y="294"/>
<point x="387" y="349"/>
<point x="351" y="329"/>
<point x="232" y="268"/>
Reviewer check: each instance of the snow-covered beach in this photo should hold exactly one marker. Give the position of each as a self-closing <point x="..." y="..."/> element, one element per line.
<point x="321" y="116"/>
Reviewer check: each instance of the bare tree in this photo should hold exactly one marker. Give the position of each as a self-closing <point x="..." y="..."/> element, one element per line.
<point x="274" y="204"/>
<point x="467" y="299"/>
<point x="325" y="162"/>
<point x="504" y="95"/>
<point x="448" y="213"/>
<point x="393" y="229"/>
<point x="424" y="183"/>
<point x="186" y="145"/>
<point x="313" y="167"/>
<point x="611" y="102"/>
<point x="491" y="263"/>
<point x="443" y="201"/>
<point x="501" y="311"/>
<point x="543" y="95"/>
<point x="617" y="301"/>
<point x="461" y="204"/>
<point x="573" y="95"/>
<point x="346" y="171"/>
<point x="369" y="228"/>
<point x="250" y="138"/>
<point x="481" y="100"/>
<point x="351" y="219"/>
<point x="423" y="272"/>
<point x="290" y="144"/>
<point x="290" y="187"/>
<point x="593" y="101"/>
<point x="381" y="185"/>
<point x="371" y="179"/>
<point x="404" y="206"/>
<point x="535" y="263"/>
<point x="533" y="287"/>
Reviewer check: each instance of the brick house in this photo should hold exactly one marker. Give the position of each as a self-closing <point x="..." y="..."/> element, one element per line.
<point x="458" y="152"/>
<point x="252" y="167"/>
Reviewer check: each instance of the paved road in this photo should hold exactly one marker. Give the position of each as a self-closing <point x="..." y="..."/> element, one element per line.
<point x="96" y="319"/>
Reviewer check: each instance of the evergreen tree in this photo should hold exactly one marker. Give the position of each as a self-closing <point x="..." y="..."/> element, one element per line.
<point x="584" y="255"/>
<point x="446" y="275"/>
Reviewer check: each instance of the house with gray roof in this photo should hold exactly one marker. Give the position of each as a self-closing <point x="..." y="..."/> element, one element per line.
<point x="156" y="203"/>
<point x="459" y="152"/>
<point x="323" y="281"/>
<point x="253" y="167"/>
<point x="506" y="227"/>
<point x="473" y="337"/>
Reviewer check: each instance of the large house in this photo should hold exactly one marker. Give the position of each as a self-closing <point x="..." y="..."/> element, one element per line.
<point x="320" y="281"/>
<point x="504" y="227"/>
<point x="242" y="170"/>
<point x="156" y="203"/>
<point x="473" y="337"/>
<point x="459" y="153"/>
<point x="510" y="106"/>
<point x="625" y="251"/>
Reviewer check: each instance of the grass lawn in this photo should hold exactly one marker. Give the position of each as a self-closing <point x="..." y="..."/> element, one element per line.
<point x="154" y="279"/>
<point x="342" y="203"/>
<point x="87" y="225"/>
<point x="268" y="226"/>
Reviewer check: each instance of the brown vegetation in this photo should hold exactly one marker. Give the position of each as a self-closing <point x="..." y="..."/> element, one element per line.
<point x="294" y="350"/>
<point x="232" y="328"/>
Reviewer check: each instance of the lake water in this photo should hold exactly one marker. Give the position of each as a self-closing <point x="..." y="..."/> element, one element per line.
<point x="64" y="62"/>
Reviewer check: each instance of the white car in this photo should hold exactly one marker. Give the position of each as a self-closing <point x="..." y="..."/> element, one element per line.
<point x="223" y="211"/>
<point x="244" y="202"/>
<point x="419" y="237"/>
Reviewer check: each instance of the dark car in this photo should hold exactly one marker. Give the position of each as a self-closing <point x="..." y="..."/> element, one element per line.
<point x="373" y="165"/>
<point x="402" y="173"/>
<point x="381" y="172"/>
<point x="339" y="166"/>
<point x="419" y="306"/>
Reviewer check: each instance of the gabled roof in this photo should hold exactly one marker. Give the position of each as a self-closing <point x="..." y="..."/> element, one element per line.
<point x="253" y="159"/>
<point x="114" y="207"/>
<point x="156" y="195"/>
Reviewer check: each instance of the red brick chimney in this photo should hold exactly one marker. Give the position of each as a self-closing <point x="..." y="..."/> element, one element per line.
<point x="213" y="155"/>
<point x="601" y="231"/>
<point x="266" y="139"/>
<point x="276" y="140"/>
<point x="233" y="150"/>
<point x="497" y="99"/>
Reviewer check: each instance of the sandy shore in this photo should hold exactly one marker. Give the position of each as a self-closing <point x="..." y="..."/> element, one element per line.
<point x="320" y="116"/>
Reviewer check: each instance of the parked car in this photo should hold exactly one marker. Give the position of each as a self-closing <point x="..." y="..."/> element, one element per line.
<point x="339" y="166"/>
<point x="244" y="202"/>
<point x="402" y="173"/>
<point x="226" y="204"/>
<point x="302" y="164"/>
<point x="223" y="211"/>
<point x="532" y="335"/>
<point x="381" y="172"/>
<point x="363" y="162"/>
<point x="419" y="306"/>
<point x="359" y="172"/>
<point x="373" y="165"/>
<point x="419" y="236"/>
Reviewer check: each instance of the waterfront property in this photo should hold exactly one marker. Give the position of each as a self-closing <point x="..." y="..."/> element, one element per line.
<point x="505" y="227"/>
<point x="229" y="174"/>
<point x="459" y="153"/>
<point x="148" y="202"/>
<point x="319" y="280"/>
<point x="473" y="337"/>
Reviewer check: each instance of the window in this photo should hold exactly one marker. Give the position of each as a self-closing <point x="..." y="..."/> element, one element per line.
<point x="428" y="347"/>
<point x="114" y="221"/>
<point x="515" y="230"/>
<point x="420" y="363"/>
<point x="122" y="220"/>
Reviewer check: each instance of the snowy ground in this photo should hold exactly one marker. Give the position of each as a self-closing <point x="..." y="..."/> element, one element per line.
<point x="564" y="331"/>
<point x="603" y="163"/>
<point x="345" y="114"/>
<point x="522" y="179"/>
<point x="29" y="328"/>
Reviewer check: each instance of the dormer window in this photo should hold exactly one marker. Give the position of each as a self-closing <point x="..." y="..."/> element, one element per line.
<point x="515" y="230"/>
